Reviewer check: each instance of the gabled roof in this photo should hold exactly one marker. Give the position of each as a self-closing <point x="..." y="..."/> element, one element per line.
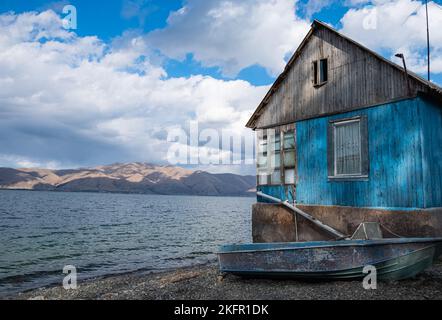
<point x="432" y="88"/>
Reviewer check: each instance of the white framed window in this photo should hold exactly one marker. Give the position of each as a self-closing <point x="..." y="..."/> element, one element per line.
<point x="348" y="148"/>
<point x="276" y="157"/>
<point x="275" y="160"/>
<point x="261" y="158"/>
<point x="289" y="161"/>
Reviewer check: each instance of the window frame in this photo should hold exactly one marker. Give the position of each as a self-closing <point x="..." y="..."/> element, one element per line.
<point x="363" y="150"/>
<point x="285" y="150"/>
<point x="335" y="164"/>
<point x="262" y="139"/>
<point x="271" y="153"/>
<point x="316" y="70"/>
<point x="274" y="152"/>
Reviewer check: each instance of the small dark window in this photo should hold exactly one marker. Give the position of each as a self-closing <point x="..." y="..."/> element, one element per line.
<point x="324" y="71"/>
<point x="320" y="72"/>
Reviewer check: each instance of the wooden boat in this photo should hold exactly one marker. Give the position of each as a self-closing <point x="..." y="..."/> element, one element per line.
<point x="394" y="259"/>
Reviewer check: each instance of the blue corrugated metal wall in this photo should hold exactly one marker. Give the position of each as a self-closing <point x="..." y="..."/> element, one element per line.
<point x="395" y="178"/>
<point x="405" y="155"/>
<point x="431" y="116"/>
<point x="395" y="154"/>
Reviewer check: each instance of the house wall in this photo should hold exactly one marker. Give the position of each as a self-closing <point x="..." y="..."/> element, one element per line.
<point x="431" y="117"/>
<point x="395" y="159"/>
<point x="280" y="192"/>
<point x="357" y="79"/>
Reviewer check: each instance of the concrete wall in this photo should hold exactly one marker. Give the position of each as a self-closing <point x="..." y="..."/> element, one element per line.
<point x="275" y="223"/>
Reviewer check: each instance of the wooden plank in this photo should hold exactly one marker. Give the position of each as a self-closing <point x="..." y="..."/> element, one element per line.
<point x="357" y="79"/>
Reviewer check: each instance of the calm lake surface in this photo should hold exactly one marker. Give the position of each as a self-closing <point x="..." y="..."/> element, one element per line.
<point x="101" y="234"/>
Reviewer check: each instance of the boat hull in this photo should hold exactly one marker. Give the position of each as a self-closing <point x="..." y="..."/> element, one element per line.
<point x="394" y="259"/>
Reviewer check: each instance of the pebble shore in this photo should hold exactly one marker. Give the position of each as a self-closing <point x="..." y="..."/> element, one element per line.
<point x="205" y="282"/>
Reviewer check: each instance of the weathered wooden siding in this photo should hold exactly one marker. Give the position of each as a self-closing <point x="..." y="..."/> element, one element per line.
<point x="431" y="117"/>
<point x="395" y="155"/>
<point x="357" y="79"/>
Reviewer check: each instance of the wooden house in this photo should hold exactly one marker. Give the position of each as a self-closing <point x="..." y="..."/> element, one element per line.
<point x="348" y="136"/>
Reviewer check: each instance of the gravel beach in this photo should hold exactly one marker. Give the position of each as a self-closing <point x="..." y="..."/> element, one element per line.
<point x="204" y="282"/>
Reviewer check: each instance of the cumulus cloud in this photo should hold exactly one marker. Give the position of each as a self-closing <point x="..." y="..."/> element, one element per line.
<point x="139" y="9"/>
<point x="67" y="100"/>
<point x="313" y="6"/>
<point x="233" y="35"/>
<point x="398" y="26"/>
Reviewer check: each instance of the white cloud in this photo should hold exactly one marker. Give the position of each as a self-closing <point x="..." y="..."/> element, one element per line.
<point x="66" y="99"/>
<point x="400" y="26"/>
<point x="233" y="35"/>
<point x="8" y="160"/>
<point x="313" y="6"/>
<point x="139" y="9"/>
<point x="30" y="26"/>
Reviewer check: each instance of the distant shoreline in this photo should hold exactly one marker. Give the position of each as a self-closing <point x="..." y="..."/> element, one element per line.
<point x="251" y="195"/>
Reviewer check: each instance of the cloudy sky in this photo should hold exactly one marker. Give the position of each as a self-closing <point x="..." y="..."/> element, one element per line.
<point x="134" y="70"/>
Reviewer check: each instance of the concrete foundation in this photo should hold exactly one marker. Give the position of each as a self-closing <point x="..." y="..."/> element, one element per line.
<point x="275" y="223"/>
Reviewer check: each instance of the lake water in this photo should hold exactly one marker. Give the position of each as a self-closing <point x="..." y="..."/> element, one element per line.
<point x="100" y="234"/>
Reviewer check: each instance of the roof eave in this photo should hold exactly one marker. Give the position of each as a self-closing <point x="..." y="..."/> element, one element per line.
<point x="252" y="121"/>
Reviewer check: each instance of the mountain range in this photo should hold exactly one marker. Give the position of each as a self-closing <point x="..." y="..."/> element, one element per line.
<point x="129" y="178"/>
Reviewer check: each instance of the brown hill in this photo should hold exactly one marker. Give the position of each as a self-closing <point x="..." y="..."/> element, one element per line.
<point x="129" y="178"/>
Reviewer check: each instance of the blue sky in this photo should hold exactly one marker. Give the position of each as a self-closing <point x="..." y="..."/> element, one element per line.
<point x="214" y="58"/>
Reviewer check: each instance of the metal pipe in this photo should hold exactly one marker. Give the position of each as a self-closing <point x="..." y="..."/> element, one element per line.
<point x="428" y="39"/>
<point x="315" y="221"/>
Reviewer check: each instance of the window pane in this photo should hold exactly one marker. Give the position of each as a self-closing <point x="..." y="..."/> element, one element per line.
<point x="347" y="148"/>
<point x="289" y="158"/>
<point x="262" y="179"/>
<point x="276" y="177"/>
<point x="289" y="140"/>
<point x="315" y="72"/>
<point x="290" y="176"/>
<point x="262" y="160"/>
<point x="275" y="160"/>
<point x="277" y="143"/>
<point x="262" y="147"/>
<point x="323" y="70"/>
<point x="277" y="147"/>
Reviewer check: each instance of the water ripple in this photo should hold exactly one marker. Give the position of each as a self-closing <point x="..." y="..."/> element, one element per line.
<point x="104" y="234"/>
